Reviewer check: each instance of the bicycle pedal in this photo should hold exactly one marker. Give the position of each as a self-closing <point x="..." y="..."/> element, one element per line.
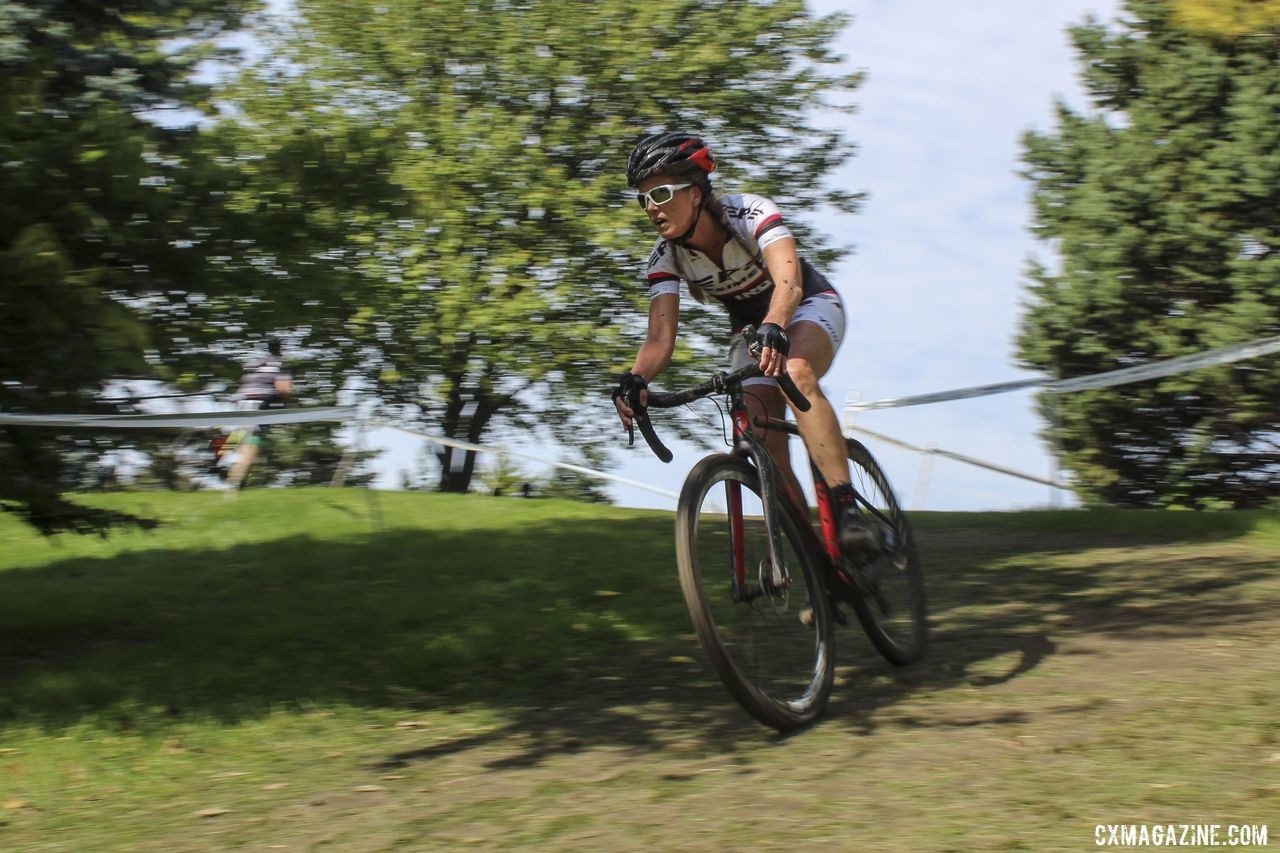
<point x="806" y="616"/>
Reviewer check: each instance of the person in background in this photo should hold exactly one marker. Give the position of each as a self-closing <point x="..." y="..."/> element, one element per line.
<point x="266" y="384"/>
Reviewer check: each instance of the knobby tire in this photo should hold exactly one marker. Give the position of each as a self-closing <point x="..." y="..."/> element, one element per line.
<point x="784" y="702"/>
<point x="900" y="634"/>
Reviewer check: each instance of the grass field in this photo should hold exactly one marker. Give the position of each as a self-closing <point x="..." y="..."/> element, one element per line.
<point x="330" y="670"/>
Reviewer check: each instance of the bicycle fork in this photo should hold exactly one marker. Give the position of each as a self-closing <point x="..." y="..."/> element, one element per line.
<point x="778" y="578"/>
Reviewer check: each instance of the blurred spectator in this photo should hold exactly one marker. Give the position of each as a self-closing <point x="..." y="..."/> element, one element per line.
<point x="266" y="384"/>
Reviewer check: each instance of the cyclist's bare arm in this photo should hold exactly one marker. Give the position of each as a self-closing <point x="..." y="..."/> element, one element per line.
<point x="783" y="263"/>
<point x="659" y="344"/>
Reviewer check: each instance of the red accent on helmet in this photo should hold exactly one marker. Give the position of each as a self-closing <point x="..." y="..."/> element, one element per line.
<point x="703" y="160"/>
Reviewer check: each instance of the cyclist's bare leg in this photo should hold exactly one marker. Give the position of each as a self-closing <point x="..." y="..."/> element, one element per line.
<point x="809" y="359"/>
<point x="764" y="400"/>
<point x="244" y="460"/>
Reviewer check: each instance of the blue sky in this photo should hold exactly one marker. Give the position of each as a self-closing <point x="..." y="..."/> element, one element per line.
<point x="935" y="286"/>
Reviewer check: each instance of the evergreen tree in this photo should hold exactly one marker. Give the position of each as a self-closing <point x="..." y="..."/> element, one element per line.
<point x="1162" y="204"/>
<point x="96" y="238"/>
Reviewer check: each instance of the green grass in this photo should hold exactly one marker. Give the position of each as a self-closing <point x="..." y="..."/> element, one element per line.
<point x="327" y="669"/>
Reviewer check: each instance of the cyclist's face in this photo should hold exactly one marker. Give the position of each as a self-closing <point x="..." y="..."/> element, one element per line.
<point x="674" y="217"/>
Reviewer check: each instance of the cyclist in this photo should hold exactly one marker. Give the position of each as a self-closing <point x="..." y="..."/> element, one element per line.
<point x="737" y="249"/>
<point x="265" y="384"/>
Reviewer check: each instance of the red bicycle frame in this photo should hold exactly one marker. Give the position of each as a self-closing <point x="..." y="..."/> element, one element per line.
<point x="746" y="444"/>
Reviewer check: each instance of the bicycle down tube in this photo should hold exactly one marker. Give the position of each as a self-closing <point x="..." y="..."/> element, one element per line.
<point x="747" y="445"/>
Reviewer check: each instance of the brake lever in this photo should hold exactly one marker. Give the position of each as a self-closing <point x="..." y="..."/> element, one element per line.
<point x="640" y="415"/>
<point x="785" y="381"/>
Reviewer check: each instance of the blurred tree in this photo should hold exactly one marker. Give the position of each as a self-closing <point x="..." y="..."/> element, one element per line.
<point x="441" y="185"/>
<point x="502" y="475"/>
<point x="308" y="455"/>
<point x="94" y="234"/>
<point x="574" y="485"/>
<point x="1163" y="206"/>
<point x="1228" y="18"/>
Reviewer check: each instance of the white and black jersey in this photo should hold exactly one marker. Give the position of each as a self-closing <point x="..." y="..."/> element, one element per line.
<point x="742" y="283"/>
<point x="260" y="377"/>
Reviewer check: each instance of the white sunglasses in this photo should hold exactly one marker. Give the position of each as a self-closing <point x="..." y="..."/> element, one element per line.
<point x="660" y="195"/>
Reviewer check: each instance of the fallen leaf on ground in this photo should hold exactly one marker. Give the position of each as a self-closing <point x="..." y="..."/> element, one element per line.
<point x="211" y="812"/>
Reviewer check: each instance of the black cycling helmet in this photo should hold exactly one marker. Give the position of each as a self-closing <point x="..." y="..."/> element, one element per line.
<point x="273" y="345"/>
<point x="675" y="154"/>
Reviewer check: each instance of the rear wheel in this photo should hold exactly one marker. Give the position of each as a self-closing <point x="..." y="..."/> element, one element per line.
<point x="769" y="636"/>
<point x="888" y="592"/>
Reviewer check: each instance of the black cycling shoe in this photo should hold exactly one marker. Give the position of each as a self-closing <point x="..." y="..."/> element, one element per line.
<point x="859" y="542"/>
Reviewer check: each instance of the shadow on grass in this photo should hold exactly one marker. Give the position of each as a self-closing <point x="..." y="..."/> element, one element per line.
<point x="998" y="601"/>
<point x="569" y="629"/>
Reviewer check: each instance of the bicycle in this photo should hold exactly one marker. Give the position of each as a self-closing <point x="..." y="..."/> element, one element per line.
<point x="763" y="587"/>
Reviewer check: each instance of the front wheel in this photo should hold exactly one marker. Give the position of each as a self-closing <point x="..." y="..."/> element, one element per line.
<point x="766" y="629"/>
<point x="888" y="592"/>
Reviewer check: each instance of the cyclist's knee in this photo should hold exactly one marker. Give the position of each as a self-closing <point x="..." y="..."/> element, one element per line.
<point x="802" y="373"/>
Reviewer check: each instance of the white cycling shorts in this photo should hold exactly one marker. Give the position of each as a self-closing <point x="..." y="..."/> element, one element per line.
<point x="822" y="309"/>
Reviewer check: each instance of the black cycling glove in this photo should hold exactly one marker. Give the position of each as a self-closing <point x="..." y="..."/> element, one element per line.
<point x="629" y="387"/>
<point x="772" y="336"/>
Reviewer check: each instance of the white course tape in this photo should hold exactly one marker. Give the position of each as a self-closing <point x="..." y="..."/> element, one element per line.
<point x="190" y="420"/>
<point x="959" y="457"/>
<point x="1169" y="367"/>
<point x="268" y="417"/>
<point x="944" y="396"/>
<point x="480" y="448"/>
<point x="1153" y="370"/>
<point x="261" y="417"/>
